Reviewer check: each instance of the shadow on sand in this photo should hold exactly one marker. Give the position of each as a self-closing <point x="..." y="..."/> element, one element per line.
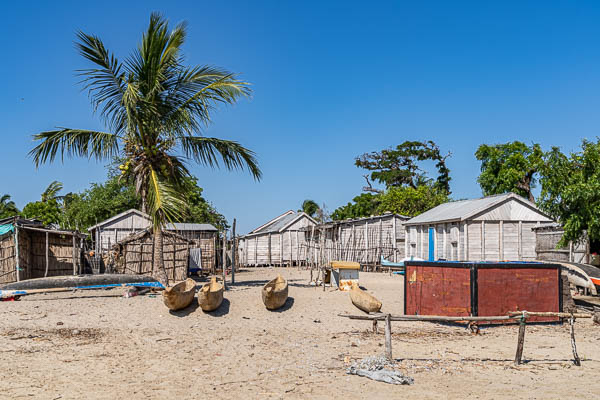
<point x="186" y="311"/>
<point x="221" y="311"/>
<point x="288" y="304"/>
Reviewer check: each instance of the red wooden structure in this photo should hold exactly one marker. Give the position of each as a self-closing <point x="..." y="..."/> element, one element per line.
<point x="480" y="289"/>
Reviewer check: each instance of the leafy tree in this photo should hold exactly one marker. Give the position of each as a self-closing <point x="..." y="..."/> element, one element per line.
<point x="49" y="208"/>
<point x="364" y="205"/>
<point x="310" y="207"/>
<point x="411" y="201"/>
<point x="8" y="208"/>
<point x="509" y="167"/>
<point x="399" y="166"/>
<point x="154" y="107"/>
<point x="198" y="210"/>
<point x="571" y="191"/>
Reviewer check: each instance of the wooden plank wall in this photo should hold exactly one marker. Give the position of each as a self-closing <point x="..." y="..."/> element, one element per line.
<point x="7" y="259"/>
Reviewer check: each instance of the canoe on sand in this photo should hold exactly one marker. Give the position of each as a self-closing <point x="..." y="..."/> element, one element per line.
<point x="179" y="296"/>
<point x="275" y="293"/>
<point x="364" y="300"/>
<point x="210" y="296"/>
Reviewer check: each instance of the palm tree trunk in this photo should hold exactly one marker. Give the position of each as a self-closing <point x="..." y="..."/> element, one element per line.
<point x="159" y="260"/>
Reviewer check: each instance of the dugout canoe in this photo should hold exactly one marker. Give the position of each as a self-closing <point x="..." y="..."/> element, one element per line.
<point x="275" y="293"/>
<point x="210" y="295"/>
<point x="78" y="281"/>
<point x="179" y="296"/>
<point x="363" y="300"/>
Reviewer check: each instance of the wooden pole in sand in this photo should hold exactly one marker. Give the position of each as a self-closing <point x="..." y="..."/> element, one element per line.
<point x="224" y="258"/>
<point x="388" y="337"/>
<point x="233" y="249"/>
<point x="521" y="340"/>
<point x="576" y="359"/>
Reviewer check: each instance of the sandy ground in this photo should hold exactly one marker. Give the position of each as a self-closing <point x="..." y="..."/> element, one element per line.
<point x="97" y="344"/>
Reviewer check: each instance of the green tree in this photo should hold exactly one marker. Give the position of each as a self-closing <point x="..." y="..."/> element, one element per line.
<point x="411" y="201"/>
<point x="364" y="205"/>
<point x="198" y="210"/>
<point x="49" y="208"/>
<point x="154" y="107"/>
<point x="571" y="191"/>
<point x="400" y="166"/>
<point x="310" y="207"/>
<point x="8" y="208"/>
<point x="509" y="167"/>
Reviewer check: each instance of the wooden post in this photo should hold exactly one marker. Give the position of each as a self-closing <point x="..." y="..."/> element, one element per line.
<point x="233" y="250"/>
<point x="501" y="242"/>
<point x="281" y="249"/>
<point x="388" y="337"/>
<point x="520" y="240"/>
<point x="576" y="359"/>
<point x="74" y="249"/>
<point x="375" y="326"/>
<point x="366" y="259"/>
<point x="17" y="262"/>
<point x="269" y="253"/>
<point x="297" y="249"/>
<point x="395" y="239"/>
<point x="482" y="240"/>
<point x="466" y="252"/>
<point x="520" y="341"/>
<point x="47" y="257"/>
<point x="224" y="258"/>
<point x="406" y="240"/>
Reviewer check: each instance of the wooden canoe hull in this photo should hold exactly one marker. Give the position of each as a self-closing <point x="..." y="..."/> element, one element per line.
<point x="364" y="301"/>
<point x="75" y="281"/>
<point x="210" y="296"/>
<point x="275" y="293"/>
<point x="179" y="296"/>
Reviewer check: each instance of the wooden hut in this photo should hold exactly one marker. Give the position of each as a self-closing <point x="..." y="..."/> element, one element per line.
<point x="135" y="254"/>
<point x="278" y="242"/>
<point x="109" y="232"/>
<point x="362" y="240"/>
<point x="28" y="249"/>
<point x="493" y="228"/>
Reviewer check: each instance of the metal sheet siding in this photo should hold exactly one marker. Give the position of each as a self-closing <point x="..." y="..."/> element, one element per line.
<point x="500" y="290"/>
<point x="437" y="291"/>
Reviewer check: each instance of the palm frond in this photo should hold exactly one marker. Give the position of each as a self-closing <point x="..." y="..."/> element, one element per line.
<point x="74" y="142"/>
<point x="107" y="84"/>
<point x="52" y="190"/>
<point x="165" y="202"/>
<point x="204" y="150"/>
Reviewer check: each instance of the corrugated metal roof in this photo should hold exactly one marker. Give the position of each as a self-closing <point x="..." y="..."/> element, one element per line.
<point x="463" y="209"/>
<point x="278" y="224"/>
<point x="184" y="226"/>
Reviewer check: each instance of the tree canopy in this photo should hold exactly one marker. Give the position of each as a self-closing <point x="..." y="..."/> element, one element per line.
<point x="363" y="205"/>
<point x="399" y="166"/>
<point x="8" y="208"/>
<point x="571" y="191"/>
<point x="411" y="201"/>
<point x="509" y="167"/>
<point x="310" y="207"/>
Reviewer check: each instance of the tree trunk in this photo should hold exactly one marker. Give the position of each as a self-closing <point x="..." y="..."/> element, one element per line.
<point x="159" y="259"/>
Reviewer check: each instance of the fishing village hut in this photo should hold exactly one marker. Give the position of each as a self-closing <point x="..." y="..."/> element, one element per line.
<point x="493" y="228"/>
<point x="111" y="231"/>
<point x="278" y="242"/>
<point x="135" y="254"/>
<point x="28" y="249"/>
<point x="361" y="240"/>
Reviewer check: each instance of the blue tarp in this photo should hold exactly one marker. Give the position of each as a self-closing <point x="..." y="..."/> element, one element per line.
<point x="6" y="228"/>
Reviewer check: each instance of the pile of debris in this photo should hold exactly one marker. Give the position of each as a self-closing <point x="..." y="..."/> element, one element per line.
<point x="379" y="369"/>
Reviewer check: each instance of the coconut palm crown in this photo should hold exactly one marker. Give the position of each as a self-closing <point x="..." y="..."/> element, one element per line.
<point x="154" y="108"/>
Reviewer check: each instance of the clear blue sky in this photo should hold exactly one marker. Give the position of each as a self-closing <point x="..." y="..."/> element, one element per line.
<point x="331" y="80"/>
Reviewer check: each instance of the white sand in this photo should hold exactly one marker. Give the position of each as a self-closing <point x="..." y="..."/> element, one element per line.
<point x="96" y="344"/>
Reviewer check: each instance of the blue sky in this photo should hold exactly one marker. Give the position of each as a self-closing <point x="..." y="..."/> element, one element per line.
<point x="330" y="80"/>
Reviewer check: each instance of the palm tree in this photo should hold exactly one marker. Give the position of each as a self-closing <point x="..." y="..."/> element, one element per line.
<point x="310" y="207"/>
<point x="155" y="108"/>
<point x="51" y="192"/>
<point x="8" y="208"/>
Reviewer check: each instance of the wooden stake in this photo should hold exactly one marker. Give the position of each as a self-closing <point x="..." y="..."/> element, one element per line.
<point x="224" y="258"/>
<point x="233" y="249"/>
<point x="520" y="341"/>
<point x="576" y="359"/>
<point x="375" y="326"/>
<point x="74" y="263"/>
<point x="47" y="258"/>
<point x="388" y="337"/>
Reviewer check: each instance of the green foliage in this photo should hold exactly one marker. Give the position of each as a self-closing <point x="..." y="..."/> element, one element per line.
<point x="200" y="211"/>
<point x="98" y="203"/>
<point x="310" y="207"/>
<point x="155" y="108"/>
<point x="411" y="201"/>
<point x="8" y="208"/>
<point x="571" y="191"/>
<point x="509" y="167"/>
<point x="363" y="205"/>
<point x="399" y="167"/>
<point x="49" y="212"/>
